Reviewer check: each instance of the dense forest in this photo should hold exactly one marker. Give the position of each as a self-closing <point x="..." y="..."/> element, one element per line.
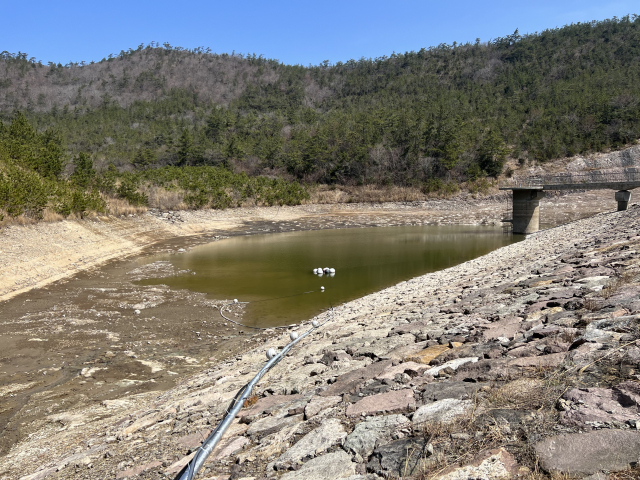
<point x="33" y="183"/>
<point x="452" y="113"/>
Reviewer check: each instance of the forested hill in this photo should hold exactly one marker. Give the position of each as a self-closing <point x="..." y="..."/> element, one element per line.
<point x="451" y="111"/>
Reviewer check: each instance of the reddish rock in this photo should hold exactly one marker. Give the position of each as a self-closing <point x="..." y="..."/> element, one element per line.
<point x="536" y="307"/>
<point x="330" y="357"/>
<point x="493" y="353"/>
<point x="137" y="470"/>
<point x="528" y="350"/>
<point x="146" y="421"/>
<point x="556" y="348"/>
<point x="406" y="328"/>
<point x="227" y="447"/>
<point x="394" y="401"/>
<point x="620" y="403"/>
<point x="484" y="370"/>
<point x="410" y="368"/>
<point x="266" y="403"/>
<point x="348" y="382"/>
<point x="564" y="270"/>
<point x="507" y="327"/>
<point x="194" y="440"/>
<point x="179" y="465"/>
<point x="405" y="351"/>
<point x="318" y="403"/>
<point x="552" y="360"/>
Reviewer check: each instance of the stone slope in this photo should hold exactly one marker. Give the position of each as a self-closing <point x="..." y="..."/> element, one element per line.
<point x="475" y="371"/>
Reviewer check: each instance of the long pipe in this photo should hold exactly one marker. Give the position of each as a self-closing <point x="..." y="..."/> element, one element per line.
<point x="196" y="463"/>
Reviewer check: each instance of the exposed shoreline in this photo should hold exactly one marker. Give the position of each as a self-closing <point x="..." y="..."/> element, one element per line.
<point x="487" y="308"/>
<point x="32" y="256"/>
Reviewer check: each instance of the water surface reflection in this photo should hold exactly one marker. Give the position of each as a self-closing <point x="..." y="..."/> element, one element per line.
<point x="272" y="271"/>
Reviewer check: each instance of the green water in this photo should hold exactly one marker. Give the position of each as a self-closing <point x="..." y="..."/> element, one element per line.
<point x="263" y="268"/>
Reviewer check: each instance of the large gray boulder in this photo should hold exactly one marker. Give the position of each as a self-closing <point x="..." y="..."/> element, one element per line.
<point x="330" y="433"/>
<point x="330" y="466"/>
<point x="376" y="431"/>
<point x="442" y="411"/>
<point x="588" y="453"/>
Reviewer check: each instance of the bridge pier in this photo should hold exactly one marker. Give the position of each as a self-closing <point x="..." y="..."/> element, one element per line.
<point x="623" y="197"/>
<point x="526" y="210"/>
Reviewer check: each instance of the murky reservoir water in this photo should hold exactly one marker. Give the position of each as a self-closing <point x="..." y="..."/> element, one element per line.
<point x="274" y="271"/>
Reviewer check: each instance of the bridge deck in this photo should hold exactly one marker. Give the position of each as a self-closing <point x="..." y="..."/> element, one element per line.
<point x="595" y="180"/>
<point x="576" y="186"/>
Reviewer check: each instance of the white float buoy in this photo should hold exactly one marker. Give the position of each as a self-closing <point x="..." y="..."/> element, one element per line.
<point x="322" y="289"/>
<point x="315" y="270"/>
<point x="235" y="300"/>
<point x="315" y="324"/>
<point x="271" y="353"/>
<point x="332" y="270"/>
<point x="320" y="269"/>
<point x="293" y="335"/>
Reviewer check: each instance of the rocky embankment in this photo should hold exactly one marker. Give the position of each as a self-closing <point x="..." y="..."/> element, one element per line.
<point x="524" y="362"/>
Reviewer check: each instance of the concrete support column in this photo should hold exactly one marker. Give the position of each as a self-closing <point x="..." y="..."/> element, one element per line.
<point x="526" y="210"/>
<point x="623" y="197"/>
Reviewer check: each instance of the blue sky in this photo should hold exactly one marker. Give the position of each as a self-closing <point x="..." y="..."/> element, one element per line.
<point x="294" y="32"/>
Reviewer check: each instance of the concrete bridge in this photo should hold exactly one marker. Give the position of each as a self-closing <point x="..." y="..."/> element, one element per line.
<point x="528" y="191"/>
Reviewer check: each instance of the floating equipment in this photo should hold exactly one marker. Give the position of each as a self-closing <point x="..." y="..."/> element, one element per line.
<point x="235" y="300"/>
<point x="332" y="270"/>
<point x="271" y="353"/>
<point x="315" y="270"/>
<point x="322" y="289"/>
<point x="315" y="323"/>
<point x="293" y="335"/>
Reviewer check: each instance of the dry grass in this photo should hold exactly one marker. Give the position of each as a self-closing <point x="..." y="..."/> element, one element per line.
<point x="163" y="199"/>
<point x="617" y="283"/>
<point x="537" y="394"/>
<point x="118" y="206"/>
<point x="48" y="216"/>
<point x="325" y="194"/>
<point x="20" y="220"/>
<point x="524" y="393"/>
<point x="543" y="476"/>
<point x="632" y="474"/>
<point x="250" y="402"/>
<point x="592" y="304"/>
<point x="328" y="194"/>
